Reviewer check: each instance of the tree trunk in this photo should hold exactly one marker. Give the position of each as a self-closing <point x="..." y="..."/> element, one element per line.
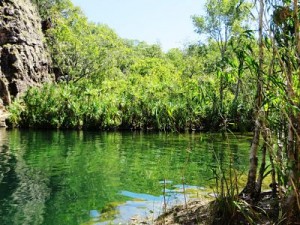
<point x="250" y="190"/>
<point x="297" y="119"/>
<point x="263" y="160"/>
<point x="291" y="120"/>
<point x="292" y="203"/>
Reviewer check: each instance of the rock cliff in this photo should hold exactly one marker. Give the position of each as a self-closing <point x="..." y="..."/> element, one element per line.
<point x="24" y="61"/>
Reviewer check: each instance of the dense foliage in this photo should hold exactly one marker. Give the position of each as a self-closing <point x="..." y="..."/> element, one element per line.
<point x="106" y="82"/>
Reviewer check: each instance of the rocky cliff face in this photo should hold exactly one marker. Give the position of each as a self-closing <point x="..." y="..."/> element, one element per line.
<point x="24" y="61"/>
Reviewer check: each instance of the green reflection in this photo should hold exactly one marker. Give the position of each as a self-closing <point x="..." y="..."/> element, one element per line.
<point x="50" y="177"/>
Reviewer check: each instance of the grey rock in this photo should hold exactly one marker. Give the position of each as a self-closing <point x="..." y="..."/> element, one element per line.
<point x="24" y="59"/>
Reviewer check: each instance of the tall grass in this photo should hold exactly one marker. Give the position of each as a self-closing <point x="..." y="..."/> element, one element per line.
<point x="228" y="207"/>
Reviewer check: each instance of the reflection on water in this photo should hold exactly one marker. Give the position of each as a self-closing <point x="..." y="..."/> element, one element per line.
<point x="23" y="189"/>
<point x="49" y="177"/>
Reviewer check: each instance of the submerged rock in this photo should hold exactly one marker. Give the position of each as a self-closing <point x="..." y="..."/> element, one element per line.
<point x="24" y="60"/>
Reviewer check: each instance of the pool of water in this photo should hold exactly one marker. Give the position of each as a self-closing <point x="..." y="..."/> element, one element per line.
<point x="69" y="177"/>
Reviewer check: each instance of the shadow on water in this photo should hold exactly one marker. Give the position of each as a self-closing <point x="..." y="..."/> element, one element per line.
<point x="56" y="177"/>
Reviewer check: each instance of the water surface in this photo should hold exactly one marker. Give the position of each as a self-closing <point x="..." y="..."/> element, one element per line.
<point x="69" y="177"/>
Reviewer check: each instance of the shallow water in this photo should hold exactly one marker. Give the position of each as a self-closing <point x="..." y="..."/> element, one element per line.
<point x="69" y="177"/>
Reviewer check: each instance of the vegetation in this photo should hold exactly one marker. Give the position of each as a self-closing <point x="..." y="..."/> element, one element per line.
<point x="237" y="80"/>
<point x="105" y="82"/>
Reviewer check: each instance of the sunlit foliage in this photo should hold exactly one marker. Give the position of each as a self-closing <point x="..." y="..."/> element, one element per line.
<point x="105" y="82"/>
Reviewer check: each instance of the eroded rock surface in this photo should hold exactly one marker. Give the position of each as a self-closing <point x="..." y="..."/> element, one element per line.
<point x="24" y="61"/>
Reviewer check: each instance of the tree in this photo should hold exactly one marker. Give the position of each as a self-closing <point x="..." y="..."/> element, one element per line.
<point x="285" y="28"/>
<point x="223" y="20"/>
<point x="251" y="188"/>
<point x="82" y="49"/>
<point x="44" y="7"/>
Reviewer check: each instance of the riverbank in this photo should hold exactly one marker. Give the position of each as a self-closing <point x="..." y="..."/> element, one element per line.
<point x="222" y="211"/>
<point x="194" y="212"/>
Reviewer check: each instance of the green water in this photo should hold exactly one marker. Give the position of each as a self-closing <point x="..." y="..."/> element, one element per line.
<point x="56" y="177"/>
